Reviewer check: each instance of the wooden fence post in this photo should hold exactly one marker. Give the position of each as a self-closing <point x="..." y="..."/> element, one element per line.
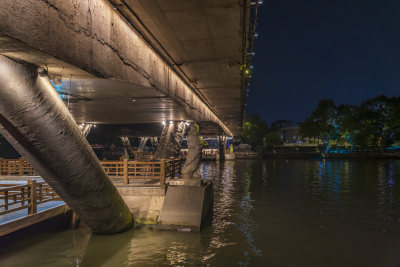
<point x="6" y="200"/>
<point x="32" y="197"/>
<point x="163" y="172"/>
<point x="8" y="168"/>
<point x="20" y="166"/>
<point x="180" y="167"/>
<point x="173" y="169"/>
<point x="126" y="180"/>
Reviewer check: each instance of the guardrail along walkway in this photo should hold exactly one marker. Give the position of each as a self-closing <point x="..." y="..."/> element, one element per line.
<point x="24" y="203"/>
<point x="126" y="172"/>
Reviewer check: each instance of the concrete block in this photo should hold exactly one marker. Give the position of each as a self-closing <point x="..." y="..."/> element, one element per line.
<point x="187" y="206"/>
<point x="230" y="156"/>
<point x="140" y="191"/>
<point x="145" y="209"/>
<point x="145" y="203"/>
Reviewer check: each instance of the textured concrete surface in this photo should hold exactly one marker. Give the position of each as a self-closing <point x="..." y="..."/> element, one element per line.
<point x="205" y="38"/>
<point x="187" y="206"/>
<point x="39" y="126"/>
<point x="144" y="203"/>
<point x="91" y="36"/>
<point x="230" y="156"/>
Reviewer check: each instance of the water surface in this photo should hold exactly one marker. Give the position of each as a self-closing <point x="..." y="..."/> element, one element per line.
<point x="266" y="213"/>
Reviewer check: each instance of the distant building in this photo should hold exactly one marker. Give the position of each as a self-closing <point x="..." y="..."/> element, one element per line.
<point x="281" y="124"/>
<point x="290" y="134"/>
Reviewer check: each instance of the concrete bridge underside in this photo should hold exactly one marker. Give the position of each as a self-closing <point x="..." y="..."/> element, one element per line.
<point x="109" y="73"/>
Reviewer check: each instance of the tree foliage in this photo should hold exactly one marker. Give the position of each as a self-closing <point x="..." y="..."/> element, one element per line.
<point x="374" y="122"/>
<point x="257" y="133"/>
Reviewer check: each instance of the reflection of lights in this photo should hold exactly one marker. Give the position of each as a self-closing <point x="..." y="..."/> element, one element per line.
<point x="223" y="208"/>
<point x="177" y="254"/>
<point x="163" y="123"/>
<point x="83" y="124"/>
<point x="171" y="122"/>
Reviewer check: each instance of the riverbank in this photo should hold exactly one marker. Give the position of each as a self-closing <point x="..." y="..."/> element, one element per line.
<point x="314" y="153"/>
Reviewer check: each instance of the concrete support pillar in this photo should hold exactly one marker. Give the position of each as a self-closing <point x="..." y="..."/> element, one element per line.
<point x="143" y="141"/>
<point x="36" y="122"/>
<point x="128" y="150"/>
<point x="85" y="128"/>
<point x="193" y="158"/>
<point x="221" y="147"/>
<point x="170" y="142"/>
<point x="154" y="142"/>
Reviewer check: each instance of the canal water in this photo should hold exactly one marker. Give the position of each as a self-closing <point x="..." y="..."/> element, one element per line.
<point x="266" y="213"/>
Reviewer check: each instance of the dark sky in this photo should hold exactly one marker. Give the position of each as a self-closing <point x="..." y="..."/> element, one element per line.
<point x="347" y="50"/>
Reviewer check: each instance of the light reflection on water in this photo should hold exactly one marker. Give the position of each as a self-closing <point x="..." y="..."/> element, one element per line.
<point x="266" y="213"/>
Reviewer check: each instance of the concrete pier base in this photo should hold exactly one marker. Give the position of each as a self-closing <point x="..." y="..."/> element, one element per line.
<point x="184" y="205"/>
<point x="230" y="156"/>
<point x="145" y="203"/>
<point x="187" y="207"/>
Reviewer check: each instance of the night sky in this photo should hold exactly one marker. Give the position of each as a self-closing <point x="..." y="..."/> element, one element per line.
<point x="347" y="50"/>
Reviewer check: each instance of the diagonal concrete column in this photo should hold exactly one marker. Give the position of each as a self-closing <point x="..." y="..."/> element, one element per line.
<point x="36" y="122"/>
<point x="128" y="150"/>
<point x="154" y="142"/>
<point x="86" y="129"/>
<point x="193" y="158"/>
<point x="170" y="142"/>
<point x="142" y="144"/>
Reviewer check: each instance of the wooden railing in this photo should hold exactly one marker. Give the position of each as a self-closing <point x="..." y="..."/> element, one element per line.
<point x="15" y="167"/>
<point x="14" y="197"/>
<point x="152" y="172"/>
<point x="130" y="171"/>
<point x="142" y="155"/>
<point x="173" y="168"/>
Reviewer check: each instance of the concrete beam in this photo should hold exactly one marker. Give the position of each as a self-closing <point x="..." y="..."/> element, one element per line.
<point x="94" y="37"/>
<point x="36" y="122"/>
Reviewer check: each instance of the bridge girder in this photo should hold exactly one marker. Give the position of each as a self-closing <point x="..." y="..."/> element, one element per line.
<point x="86" y="39"/>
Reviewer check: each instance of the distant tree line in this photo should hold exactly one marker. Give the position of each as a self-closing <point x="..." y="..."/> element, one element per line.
<point x="260" y="136"/>
<point x="375" y="122"/>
